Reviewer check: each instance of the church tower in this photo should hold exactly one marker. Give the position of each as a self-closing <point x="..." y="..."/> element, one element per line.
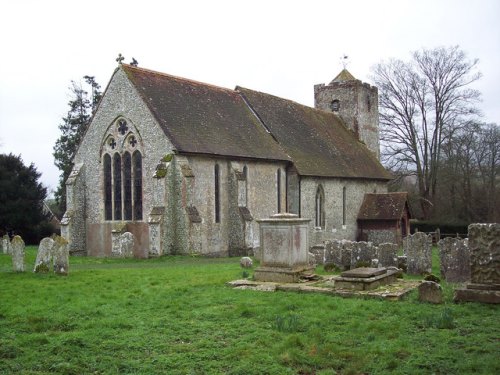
<point x="356" y="103"/>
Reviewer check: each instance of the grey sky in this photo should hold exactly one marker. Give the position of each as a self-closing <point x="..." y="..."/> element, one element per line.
<point x="279" y="47"/>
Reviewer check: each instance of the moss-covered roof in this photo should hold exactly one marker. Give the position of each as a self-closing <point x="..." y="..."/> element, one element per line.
<point x="387" y="206"/>
<point x="317" y="141"/>
<point x="202" y="118"/>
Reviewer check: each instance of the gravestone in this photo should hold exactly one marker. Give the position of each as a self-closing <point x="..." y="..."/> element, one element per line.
<point x="284" y="244"/>
<point x="60" y="253"/>
<point x="17" y="248"/>
<point x="44" y="256"/>
<point x="127" y="245"/>
<point x="484" y="247"/>
<point x="429" y="291"/>
<point x="6" y="244"/>
<point x="387" y="254"/>
<point x="362" y="254"/>
<point x="455" y="259"/>
<point x="418" y="250"/>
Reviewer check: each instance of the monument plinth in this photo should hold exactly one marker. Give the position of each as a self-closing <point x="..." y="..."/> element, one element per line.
<point x="284" y="248"/>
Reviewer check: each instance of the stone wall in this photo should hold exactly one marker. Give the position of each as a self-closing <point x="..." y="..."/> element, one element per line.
<point x="333" y="192"/>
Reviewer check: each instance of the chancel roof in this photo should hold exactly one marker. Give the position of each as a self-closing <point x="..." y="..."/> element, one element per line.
<point x="385" y="206"/>
<point x="206" y="119"/>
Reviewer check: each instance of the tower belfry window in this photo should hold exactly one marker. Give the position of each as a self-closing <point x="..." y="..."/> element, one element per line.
<point x="335" y="105"/>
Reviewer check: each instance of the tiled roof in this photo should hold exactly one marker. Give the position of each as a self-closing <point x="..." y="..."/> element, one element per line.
<point x="201" y="118"/>
<point x="317" y="141"/>
<point x="388" y="206"/>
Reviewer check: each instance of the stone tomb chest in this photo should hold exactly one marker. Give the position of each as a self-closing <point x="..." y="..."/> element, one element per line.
<point x="284" y="248"/>
<point x="365" y="278"/>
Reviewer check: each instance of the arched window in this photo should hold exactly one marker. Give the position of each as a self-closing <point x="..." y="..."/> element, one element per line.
<point x="117" y="182"/>
<point x="217" y="193"/>
<point x="344" y="202"/>
<point x="127" y="186"/>
<point x="278" y="188"/>
<point x="320" y="208"/>
<point x="122" y="172"/>
<point x="108" y="188"/>
<point x="137" y="185"/>
<point x="335" y="105"/>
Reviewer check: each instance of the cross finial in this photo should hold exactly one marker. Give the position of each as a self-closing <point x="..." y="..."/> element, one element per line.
<point x="344" y="60"/>
<point x="120" y="58"/>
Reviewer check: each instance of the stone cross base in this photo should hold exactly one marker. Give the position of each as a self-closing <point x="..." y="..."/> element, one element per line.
<point x="281" y="275"/>
<point x="485" y="293"/>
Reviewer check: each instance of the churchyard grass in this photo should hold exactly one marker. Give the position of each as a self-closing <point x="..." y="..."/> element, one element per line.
<point x="175" y="315"/>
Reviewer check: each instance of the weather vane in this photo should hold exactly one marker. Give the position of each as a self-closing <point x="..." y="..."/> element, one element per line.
<point x="344" y="60"/>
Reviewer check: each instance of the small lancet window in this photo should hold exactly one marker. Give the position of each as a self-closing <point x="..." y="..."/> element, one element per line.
<point x="320" y="208"/>
<point x="217" y="192"/>
<point x="335" y="105"/>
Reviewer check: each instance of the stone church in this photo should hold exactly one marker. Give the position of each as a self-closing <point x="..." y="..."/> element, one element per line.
<point x="189" y="167"/>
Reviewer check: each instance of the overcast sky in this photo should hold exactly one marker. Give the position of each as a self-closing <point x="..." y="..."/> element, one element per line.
<point x="279" y="47"/>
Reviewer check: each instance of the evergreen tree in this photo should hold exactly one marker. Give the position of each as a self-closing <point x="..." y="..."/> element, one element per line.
<point x="21" y="198"/>
<point x="81" y="108"/>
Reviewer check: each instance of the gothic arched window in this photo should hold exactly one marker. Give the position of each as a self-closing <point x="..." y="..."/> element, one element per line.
<point x="320" y="208"/>
<point x="122" y="172"/>
<point x="217" y="192"/>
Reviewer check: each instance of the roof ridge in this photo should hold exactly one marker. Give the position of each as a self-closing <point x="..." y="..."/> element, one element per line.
<point x="178" y="78"/>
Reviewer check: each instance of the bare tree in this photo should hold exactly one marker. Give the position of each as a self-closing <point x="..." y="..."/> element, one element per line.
<point x="421" y="103"/>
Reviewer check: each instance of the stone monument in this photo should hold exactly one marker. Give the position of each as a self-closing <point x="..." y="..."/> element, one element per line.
<point x="284" y="248"/>
<point x="44" y="256"/>
<point x="17" y="248"/>
<point x="454" y="257"/>
<point x="484" y="246"/>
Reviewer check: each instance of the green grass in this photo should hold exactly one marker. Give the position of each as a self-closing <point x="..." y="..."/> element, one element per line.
<point x="174" y="315"/>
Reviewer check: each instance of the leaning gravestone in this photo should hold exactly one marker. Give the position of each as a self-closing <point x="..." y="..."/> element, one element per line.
<point x="484" y="246"/>
<point x="17" y="248"/>
<point x="454" y="257"/>
<point x="6" y="244"/>
<point x="418" y="249"/>
<point x="60" y="253"/>
<point x="44" y="256"/>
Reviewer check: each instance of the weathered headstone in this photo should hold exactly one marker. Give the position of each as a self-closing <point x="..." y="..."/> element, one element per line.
<point x="246" y="262"/>
<point x="127" y="244"/>
<point x="362" y="254"/>
<point x="44" y="256"/>
<point x="60" y="252"/>
<point x="6" y="244"/>
<point x="484" y="246"/>
<point x="454" y="259"/>
<point x="17" y="248"/>
<point x="429" y="291"/>
<point x="387" y="254"/>
<point x="418" y="249"/>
